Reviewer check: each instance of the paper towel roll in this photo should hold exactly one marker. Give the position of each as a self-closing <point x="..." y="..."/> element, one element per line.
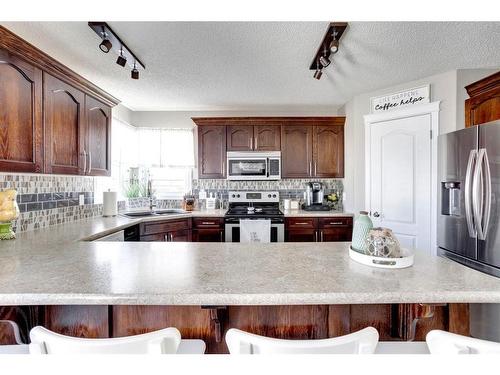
<point x="109" y="207"/>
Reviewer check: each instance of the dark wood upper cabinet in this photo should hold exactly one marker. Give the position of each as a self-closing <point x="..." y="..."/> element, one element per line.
<point x="64" y="127"/>
<point x="98" y="138"/>
<point x="267" y="137"/>
<point x="296" y="151"/>
<point x="212" y="151"/>
<point x="250" y="137"/>
<point x="328" y="151"/>
<point x="21" y="132"/>
<point x="50" y="120"/>
<point x="484" y="102"/>
<point x="240" y="138"/>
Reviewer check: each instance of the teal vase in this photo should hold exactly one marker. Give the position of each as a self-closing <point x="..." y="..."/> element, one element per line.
<point x="362" y="226"/>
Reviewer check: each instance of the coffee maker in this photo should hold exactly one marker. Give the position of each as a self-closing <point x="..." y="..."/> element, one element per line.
<point x="315" y="192"/>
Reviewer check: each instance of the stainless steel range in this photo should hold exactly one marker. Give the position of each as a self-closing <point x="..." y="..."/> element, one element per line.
<point x="254" y="205"/>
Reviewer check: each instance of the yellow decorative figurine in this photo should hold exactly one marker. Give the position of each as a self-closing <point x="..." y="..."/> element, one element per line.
<point x="8" y="211"/>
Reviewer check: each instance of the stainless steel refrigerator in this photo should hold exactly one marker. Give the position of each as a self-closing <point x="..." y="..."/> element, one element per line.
<point x="469" y="209"/>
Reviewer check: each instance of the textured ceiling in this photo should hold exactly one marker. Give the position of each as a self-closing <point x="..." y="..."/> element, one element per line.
<point x="259" y="65"/>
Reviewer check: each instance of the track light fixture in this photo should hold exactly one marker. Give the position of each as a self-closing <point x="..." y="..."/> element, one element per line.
<point x="324" y="60"/>
<point x="105" y="46"/>
<point x="334" y="44"/>
<point x="328" y="47"/>
<point x="121" y="60"/>
<point x="125" y="56"/>
<point x="134" y="74"/>
<point x="319" y="71"/>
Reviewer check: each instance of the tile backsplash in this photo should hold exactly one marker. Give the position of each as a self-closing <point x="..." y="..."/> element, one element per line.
<point x="46" y="200"/>
<point x="288" y="188"/>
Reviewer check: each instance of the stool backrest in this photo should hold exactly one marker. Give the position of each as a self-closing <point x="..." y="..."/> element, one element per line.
<point x="361" y="342"/>
<point x="442" y="342"/>
<point x="164" y="341"/>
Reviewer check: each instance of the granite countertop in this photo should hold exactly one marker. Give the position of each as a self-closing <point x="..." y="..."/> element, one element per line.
<point x="158" y="273"/>
<point x="58" y="265"/>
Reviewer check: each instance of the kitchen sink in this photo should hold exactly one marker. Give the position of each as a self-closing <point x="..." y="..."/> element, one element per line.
<point x="154" y="213"/>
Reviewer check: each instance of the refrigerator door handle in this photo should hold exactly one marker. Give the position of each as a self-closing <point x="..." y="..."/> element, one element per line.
<point x="467" y="192"/>
<point x="487" y="204"/>
<point x="477" y="195"/>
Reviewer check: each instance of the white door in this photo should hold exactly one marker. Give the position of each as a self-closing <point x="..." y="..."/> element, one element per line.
<point x="400" y="179"/>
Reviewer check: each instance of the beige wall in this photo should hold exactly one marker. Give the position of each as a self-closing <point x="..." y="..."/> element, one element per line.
<point x="182" y="119"/>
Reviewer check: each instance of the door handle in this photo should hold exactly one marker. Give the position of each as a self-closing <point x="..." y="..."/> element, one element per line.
<point x="310" y="168"/>
<point x="207" y="223"/>
<point x="301" y="223"/>
<point x="316" y="236"/>
<point x="481" y="194"/>
<point x="487" y="207"/>
<point x="321" y="236"/>
<point x="166" y="238"/>
<point x="251" y="143"/>
<point x="468" y="207"/>
<point x="376" y="214"/>
<point x="315" y="167"/>
<point x="256" y="144"/>
<point x="221" y="236"/>
<point x="171" y="237"/>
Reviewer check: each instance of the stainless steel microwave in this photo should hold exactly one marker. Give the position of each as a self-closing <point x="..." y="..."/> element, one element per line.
<point x="254" y="165"/>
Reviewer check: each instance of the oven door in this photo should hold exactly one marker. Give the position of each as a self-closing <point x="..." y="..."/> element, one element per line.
<point x="247" y="168"/>
<point x="232" y="232"/>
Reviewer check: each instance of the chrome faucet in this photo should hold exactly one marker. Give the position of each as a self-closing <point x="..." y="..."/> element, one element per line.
<point x="152" y="205"/>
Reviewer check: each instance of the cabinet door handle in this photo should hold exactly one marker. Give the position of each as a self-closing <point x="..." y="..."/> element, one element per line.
<point x="336" y="223"/>
<point x="251" y="143"/>
<point x="315" y="167"/>
<point x="316" y="236"/>
<point x="171" y="237"/>
<point x="256" y="147"/>
<point x="221" y="236"/>
<point x="321" y="236"/>
<point x="310" y="168"/>
<point x="301" y="223"/>
<point x="90" y="162"/>
<point x="208" y="223"/>
<point x="166" y="238"/>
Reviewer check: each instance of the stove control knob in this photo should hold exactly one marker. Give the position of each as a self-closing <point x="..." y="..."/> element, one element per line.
<point x="238" y="196"/>
<point x="269" y="195"/>
<point x="233" y="195"/>
<point x="274" y="195"/>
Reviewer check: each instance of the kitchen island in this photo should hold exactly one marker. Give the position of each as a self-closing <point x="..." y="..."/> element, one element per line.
<point x="293" y="290"/>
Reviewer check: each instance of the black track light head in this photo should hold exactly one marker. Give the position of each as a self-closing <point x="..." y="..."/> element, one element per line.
<point x="324" y="61"/>
<point x="105" y="46"/>
<point x="134" y="74"/>
<point x="121" y="60"/>
<point x="334" y="44"/>
<point x="318" y="73"/>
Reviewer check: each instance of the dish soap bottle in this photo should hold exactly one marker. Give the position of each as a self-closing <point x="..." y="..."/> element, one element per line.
<point x="362" y="225"/>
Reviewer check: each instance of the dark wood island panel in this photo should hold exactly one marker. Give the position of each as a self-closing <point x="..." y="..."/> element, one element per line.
<point x="395" y="322"/>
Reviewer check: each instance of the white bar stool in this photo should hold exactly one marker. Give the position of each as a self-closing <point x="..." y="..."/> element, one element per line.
<point x="164" y="341"/>
<point x="361" y="342"/>
<point x="441" y="342"/>
<point x="19" y="347"/>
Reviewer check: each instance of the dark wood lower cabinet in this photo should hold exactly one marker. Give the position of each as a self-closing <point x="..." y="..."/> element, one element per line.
<point x="394" y="322"/>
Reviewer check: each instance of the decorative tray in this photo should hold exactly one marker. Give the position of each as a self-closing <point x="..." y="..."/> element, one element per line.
<point x="405" y="261"/>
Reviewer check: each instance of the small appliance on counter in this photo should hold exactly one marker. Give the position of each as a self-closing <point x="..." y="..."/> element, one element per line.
<point x="313" y="198"/>
<point x="188" y="202"/>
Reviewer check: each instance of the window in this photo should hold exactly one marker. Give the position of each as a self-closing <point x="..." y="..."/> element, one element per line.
<point x="166" y="156"/>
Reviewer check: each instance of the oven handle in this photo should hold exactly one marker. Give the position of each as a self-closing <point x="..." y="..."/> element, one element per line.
<point x="267" y="167"/>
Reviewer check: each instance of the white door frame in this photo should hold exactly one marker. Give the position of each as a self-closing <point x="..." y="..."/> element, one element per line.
<point x="411" y="111"/>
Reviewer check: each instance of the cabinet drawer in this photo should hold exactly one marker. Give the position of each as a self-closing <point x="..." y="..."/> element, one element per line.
<point x="164" y="226"/>
<point x="207" y="222"/>
<point x="334" y="222"/>
<point x="301" y="222"/>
